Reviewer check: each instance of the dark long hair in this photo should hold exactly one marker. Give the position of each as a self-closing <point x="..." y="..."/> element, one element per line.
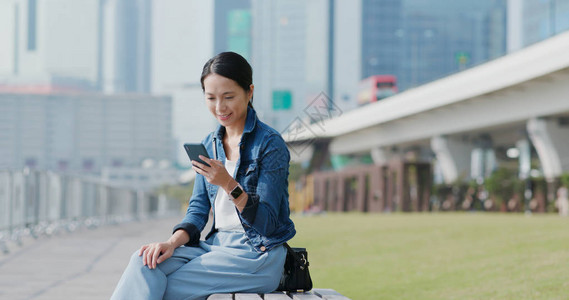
<point x="233" y="66"/>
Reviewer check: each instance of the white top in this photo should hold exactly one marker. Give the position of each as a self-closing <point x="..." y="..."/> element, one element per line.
<point x="226" y="218"/>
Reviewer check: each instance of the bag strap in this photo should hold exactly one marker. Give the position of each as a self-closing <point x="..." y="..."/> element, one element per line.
<point x="289" y="249"/>
<point x="303" y="261"/>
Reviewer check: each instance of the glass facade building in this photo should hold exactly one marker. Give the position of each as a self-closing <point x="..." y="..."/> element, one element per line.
<point x="279" y="60"/>
<point x="83" y="133"/>
<point x="233" y="27"/>
<point x="542" y="19"/>
<point x="419" y="41"/>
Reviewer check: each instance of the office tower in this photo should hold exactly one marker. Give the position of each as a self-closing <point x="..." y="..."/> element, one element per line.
<point x="89" y="44"/>
<point x="542" y="19"/>
<point x="382" y="45"/>
<point x="126" y="45"/>
<point x="279" y="60"/>
<point x="50" y="42"/>
<point x="182" y="41"/>
<point x="232" y="27"/>
<point x="83" y="132"/>
<point x="419" y="41"/>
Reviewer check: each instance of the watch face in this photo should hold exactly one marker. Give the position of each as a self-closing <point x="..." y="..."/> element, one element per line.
<point x="237" y="191"/>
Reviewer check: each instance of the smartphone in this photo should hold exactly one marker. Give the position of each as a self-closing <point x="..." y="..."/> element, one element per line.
<point x="195" y="150"/>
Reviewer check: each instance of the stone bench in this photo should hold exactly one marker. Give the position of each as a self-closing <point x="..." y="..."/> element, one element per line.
<point x="327" y="294"/>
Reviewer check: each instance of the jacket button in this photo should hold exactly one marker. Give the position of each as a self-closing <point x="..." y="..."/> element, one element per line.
<point x="263" y="248"/>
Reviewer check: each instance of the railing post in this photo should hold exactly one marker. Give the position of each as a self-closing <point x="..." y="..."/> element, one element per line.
<point x="55" y="196"/>
<point x="141" y="205"/>
<point x="17" y="220"/>
<point x="5" y="210"/>
<point x="42" y="196"/>
<point x="103" y="203"/>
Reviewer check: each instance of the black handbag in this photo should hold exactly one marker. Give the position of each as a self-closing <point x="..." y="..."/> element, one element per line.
<point x="296" y="276"/>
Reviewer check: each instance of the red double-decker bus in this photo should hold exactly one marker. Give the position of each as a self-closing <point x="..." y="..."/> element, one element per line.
<point x="376" y="87"/>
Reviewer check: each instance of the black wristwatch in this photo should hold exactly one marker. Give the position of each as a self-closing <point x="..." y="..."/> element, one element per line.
<point x="236" y="192"/>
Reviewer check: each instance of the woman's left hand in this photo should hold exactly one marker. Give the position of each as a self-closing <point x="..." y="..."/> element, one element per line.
<point x="215" y="174"/>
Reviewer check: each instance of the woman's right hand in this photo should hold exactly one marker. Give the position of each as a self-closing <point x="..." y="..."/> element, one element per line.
<point x="155" y="253"/>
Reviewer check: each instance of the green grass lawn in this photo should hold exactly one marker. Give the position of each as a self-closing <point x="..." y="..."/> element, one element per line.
<point x="438" y="256"/>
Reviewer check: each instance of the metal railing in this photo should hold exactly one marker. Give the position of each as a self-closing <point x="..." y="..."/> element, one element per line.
<point x="36" y="203"/>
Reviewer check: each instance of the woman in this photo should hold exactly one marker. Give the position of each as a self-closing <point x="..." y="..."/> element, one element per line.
<point x="245" y="185"/>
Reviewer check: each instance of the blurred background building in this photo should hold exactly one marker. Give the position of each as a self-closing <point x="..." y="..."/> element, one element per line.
<point x="86" y="133"/>
<point x="106" y="61"/>
<point x="531" y="21"/>
<point x="75" y="81"/>
<point x="182" y="41"/>
<point x="232" y="27"/>
<point x="91" y="44"/>
<point x="304" y="48"/>
<point x="279" y="59"/>
<point x="419" y="41"/>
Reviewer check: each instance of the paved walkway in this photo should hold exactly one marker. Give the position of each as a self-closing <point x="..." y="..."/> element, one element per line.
<point x="85" y="264"/>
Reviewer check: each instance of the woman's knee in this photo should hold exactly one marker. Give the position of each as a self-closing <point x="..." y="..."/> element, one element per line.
<point x="135" y="259"/>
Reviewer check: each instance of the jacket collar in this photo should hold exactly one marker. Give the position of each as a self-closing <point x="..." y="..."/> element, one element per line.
<point x="250" y="123"/>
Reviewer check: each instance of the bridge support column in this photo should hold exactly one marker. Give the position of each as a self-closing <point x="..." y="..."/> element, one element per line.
<point x="380" y="156"/>
<point x="524" y="148"/>
<point x="483" y="162"/>
<point x="550" y="141"/>
<point x="453" y="156"/>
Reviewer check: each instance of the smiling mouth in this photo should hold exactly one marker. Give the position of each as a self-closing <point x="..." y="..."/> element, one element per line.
<point x="224" y="117"/>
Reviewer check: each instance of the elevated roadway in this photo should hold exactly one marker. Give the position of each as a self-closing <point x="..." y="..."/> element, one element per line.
<point x="469" y="119"/>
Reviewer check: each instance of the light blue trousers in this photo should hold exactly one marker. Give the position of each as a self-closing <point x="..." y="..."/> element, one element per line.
<point x="225" y="263"/>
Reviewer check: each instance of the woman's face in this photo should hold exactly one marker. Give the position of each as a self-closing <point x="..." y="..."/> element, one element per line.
<point x="226" y="100"/>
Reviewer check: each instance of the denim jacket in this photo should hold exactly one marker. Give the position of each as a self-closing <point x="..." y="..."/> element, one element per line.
<point x="262" y="171"/>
